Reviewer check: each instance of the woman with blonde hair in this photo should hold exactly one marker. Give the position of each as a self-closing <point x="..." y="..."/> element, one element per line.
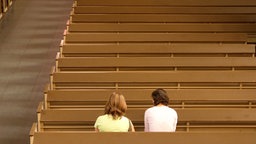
<point x="113" y="119"/>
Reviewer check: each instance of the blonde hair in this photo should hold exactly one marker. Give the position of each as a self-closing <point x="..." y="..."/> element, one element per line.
<point x="116" y="105"/>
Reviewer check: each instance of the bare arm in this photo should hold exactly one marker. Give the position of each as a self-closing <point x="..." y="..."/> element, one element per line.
<point x="132" y="129"/>
<point x="146" y="126"/>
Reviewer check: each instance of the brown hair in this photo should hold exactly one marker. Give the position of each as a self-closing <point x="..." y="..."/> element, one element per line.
<point x="116" y="105"/>
<point x="160" y="97"/>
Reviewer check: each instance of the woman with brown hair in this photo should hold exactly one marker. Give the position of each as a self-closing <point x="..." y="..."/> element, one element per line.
<point x="113" y="119"/>
<point x="160" y="117"/>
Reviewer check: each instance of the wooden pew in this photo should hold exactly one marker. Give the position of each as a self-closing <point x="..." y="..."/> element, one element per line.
<point x="153" y="79"/>
<point x="166" y="3"/>
<point x="142" y="137"/>
<point x="155" y="37"/>
<point x="183" y="98"/>
<point x="160" y="9"/>
<point x="153" y="49"/>
<point x="224" y="120"/>
<point x="163" y="27"/>
<point x="153" y="63"/>
<point x="163" y="18"/>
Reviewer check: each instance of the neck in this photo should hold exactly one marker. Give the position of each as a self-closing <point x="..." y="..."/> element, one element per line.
<point x="160" y="104"/>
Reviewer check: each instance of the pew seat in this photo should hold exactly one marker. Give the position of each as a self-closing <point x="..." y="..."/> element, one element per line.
<point x="142" y="137"/>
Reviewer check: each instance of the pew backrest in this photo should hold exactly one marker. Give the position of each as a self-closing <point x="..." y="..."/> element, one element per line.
<point x="152" y="79"/>
<point x="183" y="98"/>
<point x="153" y="63"/>
<point x="155" y="50"/>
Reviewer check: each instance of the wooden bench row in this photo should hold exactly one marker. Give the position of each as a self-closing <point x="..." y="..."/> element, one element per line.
<point x="154" y="63"/>
<point x="157" y="12"/>
<point x="188" y="119"/>
<point x="152" y="79"/>
<point x="183" y="98"/>
<point x="162" y="18"/>
<point x="248" y="3"/>
<point x="162" y="9"/>
<point x="142" y="137"/>
<point x="155" y="37"/>
<point x="153" y="49"/>
<point x="163" y="27"/>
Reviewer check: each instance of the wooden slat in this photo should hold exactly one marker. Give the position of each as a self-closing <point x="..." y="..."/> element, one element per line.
<point x="169" y="2"/>
<point x="163" y="10"/>
<point x="122" y="62"/>
<point x="193" y="98"/>
<point x="149" y="138"/>
<point x="155" y="76"/>
<point x="153" y="79"/>
<point x="145" y="95"/>
<point x="157" y="48"/>
<point x="155" y="37"/>
<point x="157" y="27"/>
<point x="162" y="18"/>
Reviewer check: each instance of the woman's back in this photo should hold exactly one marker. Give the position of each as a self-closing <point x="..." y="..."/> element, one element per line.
<point x="113" y="119"/>
<point x="106" y="123"/>
<point x="160" y="119"/>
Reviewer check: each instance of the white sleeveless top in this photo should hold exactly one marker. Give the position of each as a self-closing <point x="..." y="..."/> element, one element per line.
<point x="160" y="119"/>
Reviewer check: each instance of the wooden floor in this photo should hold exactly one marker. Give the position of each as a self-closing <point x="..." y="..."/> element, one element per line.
<point x="30" y="33"/>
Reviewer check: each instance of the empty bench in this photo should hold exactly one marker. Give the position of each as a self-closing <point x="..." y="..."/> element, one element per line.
<point x="155" y="37"/>
<point x="153" y="79"/>
<point x="155" y="50"/>
<point x="166" y="27"/>
<point x="153" y="63"/>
